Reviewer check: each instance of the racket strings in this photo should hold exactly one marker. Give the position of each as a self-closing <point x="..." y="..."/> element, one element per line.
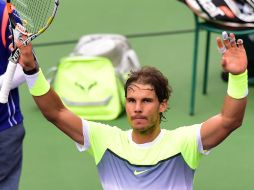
<point x="34" y="14"/>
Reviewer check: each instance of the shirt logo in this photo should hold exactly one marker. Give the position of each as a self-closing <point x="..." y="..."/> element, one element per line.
<point x="139" y="172"/>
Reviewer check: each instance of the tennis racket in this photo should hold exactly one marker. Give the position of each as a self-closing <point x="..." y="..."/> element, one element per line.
<point x="36" y="16"/>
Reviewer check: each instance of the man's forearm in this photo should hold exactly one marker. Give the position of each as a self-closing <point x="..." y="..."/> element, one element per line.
<point x="233" y="112"/>
<point x="236" y="100"/>
<point x="18" y="78"/>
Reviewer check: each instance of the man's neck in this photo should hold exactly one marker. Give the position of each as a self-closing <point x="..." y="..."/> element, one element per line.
<point x="142" y="137"/>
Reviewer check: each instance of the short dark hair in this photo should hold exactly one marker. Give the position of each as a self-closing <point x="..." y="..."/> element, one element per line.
<point x="152" y="76"/>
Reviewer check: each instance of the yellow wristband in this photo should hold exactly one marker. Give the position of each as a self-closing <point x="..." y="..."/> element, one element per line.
<point x="37" y="84"/>
<point x="238" y="85"/>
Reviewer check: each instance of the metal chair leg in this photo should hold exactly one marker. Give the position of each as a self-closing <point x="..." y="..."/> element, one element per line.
<point x="194" y="70"/>
<point x="202" y="25"/>
<point x="206" y="62"/>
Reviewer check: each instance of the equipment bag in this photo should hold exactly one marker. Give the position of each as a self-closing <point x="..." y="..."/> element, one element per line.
<point x="226" y="13"/>
<point x="88" y="86"/>
<point x="115" y="47"/>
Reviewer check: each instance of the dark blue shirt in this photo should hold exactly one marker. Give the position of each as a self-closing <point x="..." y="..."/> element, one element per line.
<point x="10" y="113"/>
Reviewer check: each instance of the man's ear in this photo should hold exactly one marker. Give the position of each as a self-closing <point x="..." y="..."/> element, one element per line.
<point x="163" y="106"/>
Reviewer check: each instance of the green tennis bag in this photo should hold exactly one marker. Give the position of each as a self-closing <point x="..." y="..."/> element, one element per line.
<point x="88" y="86"/>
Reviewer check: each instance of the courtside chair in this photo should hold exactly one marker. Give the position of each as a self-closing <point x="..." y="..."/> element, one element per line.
<point x="200" y="24"/>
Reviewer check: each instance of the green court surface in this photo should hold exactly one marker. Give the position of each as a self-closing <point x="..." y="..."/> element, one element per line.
<point x="51" y="160"/>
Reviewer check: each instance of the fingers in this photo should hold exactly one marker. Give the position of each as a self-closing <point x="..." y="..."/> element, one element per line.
<point x="227" y="42"/>
<point x="11" y="48"/>
<point x="17" y="43"/>
<point x="19" y="39"/>
<point x="240" y="43"/>
<point x="225" y="39"/>
<point x="221" y="48"/>
<point x="232" y="40"/>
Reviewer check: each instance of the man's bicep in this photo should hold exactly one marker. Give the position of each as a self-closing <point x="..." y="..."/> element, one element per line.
<point x="71" y="125"/>
<point x="213" y="132"/>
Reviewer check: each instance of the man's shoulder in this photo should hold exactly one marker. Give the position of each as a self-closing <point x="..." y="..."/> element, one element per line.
<point x="182" y="130"/>
<point x="103" y="127"/>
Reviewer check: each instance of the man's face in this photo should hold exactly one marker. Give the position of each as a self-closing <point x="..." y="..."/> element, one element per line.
<point x="143" y="107"/>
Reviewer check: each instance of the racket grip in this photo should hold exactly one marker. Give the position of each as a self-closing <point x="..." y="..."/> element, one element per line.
<point x="7" y="81"/>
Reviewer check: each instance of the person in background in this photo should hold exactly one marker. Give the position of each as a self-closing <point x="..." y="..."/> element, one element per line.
<point x="11" y="120"/>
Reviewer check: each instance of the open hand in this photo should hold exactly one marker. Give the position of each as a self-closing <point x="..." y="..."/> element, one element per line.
<point x="234" y="58"/>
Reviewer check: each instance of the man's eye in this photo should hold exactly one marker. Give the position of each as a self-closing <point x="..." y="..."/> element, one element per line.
<point x="131" y="100"/>
<point x="147" y="100"/>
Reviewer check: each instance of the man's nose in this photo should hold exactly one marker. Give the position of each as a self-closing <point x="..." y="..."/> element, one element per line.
<point x="138" y="107"/>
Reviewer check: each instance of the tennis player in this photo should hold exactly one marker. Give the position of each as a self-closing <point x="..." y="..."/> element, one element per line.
<point x="147" y="156"/>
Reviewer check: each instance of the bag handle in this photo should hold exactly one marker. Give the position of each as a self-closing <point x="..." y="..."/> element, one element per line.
<point x="129" y="60"/>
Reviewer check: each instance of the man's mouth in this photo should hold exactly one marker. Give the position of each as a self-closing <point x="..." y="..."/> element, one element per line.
<point x="137" y="117"/>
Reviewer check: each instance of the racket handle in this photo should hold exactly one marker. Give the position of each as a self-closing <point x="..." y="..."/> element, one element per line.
<point x="7" y="81"/>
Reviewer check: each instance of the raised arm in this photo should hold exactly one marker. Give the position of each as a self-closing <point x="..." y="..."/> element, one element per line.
<point x="234" y="61"/>
<point x="47" y="100"/>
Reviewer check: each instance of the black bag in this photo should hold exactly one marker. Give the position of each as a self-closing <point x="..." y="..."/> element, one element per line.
<point x="225" y="13"/>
